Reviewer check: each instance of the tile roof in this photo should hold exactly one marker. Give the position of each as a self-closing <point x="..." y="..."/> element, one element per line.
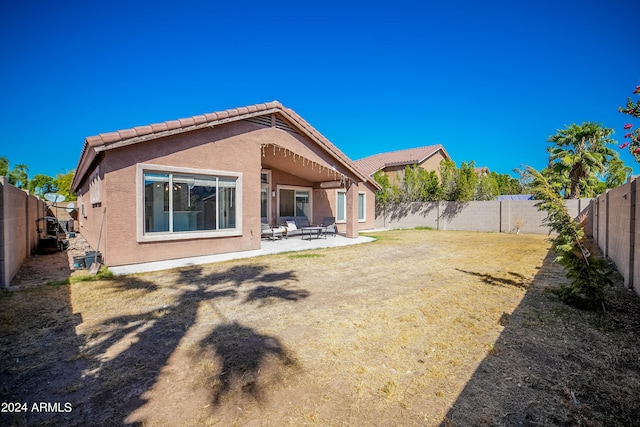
<point x="411" y="156"/>
<point x="106" y="141"/>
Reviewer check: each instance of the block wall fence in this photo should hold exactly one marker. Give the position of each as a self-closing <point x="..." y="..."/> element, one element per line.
<point x="615" y="229"/>
<point x="505" y="216"/>
<point x="612" y="219"/>
<point x="18" y="230"/>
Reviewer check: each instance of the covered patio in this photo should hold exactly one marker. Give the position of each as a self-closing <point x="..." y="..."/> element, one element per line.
<point x="308" y="184"/>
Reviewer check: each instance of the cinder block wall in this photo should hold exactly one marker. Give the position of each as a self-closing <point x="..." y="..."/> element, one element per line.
<point x="505" y="216"/>
<point x="18" y="231"/>
<point x="619" y="223"/>
<point x="616" y="225"/>
<point x="635" y="229"/>
<point x="477" y="216"/>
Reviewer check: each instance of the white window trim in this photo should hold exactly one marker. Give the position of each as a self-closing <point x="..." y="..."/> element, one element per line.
<point x="364" y="206"/>
<point x="268" y="173"/>
<point x="341" y="221"/>
<point x="141" y="168"/>
<point x="364" y="209"/>
<point x="293" y="187"/>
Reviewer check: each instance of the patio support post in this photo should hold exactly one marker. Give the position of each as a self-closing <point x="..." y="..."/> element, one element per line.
<point x="352" y="210"/>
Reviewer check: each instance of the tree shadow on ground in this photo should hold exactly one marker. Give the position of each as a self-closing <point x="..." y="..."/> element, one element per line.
<point x="264" y="293"/>
<point x="518" y="280"/>
<point x="555" y="365"/>
<point x="243" y="354"/>
<point x="121" y="358"/>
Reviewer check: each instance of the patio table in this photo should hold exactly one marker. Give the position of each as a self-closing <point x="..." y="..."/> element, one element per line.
<point x="311" y="231"/>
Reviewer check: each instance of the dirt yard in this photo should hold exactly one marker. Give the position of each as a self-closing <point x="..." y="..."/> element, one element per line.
<point x="418" y="328"/>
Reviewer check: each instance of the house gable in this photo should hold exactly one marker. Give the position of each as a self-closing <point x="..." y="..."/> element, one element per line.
<point x="271" y="114"/>
<point x="393" y="163"/>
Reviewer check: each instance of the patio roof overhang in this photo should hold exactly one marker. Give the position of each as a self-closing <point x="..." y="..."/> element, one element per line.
<point x="323" y="172"/>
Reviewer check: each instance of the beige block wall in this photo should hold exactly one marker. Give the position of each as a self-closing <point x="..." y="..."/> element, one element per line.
<point x="488" y="216"/>
<point x="619" y="228"/>
<point x="18" y="231"/>
<point x="636" y="248"/>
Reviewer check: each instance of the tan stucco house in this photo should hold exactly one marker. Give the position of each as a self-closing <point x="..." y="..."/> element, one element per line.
<point x="393" y="163"/>
<point x="195" y="187"/>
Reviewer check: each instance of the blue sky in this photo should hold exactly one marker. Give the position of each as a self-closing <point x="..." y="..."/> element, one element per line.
<point x="489" y="80"/>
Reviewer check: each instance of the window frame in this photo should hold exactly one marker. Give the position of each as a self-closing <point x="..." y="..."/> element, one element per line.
<point x="142" y="168"/>
<point x="295" y="188"/>
<point x="338" y="219"/>
<point x="364" y="206"/>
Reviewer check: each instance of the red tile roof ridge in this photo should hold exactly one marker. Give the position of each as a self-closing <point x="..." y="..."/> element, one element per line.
<point x="375" y="162"/>
<point x="105" y="141"/>
<point x="185" y="122"/>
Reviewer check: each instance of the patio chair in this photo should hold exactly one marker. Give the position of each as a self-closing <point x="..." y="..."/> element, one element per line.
<point x="270" y="233"/>
<point x="329" y="223"/>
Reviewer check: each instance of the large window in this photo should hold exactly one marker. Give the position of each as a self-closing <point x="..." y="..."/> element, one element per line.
<point x="179" y="203"/>
<point x="341" y="207"/>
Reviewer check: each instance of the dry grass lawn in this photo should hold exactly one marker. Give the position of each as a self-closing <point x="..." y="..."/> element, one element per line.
<point x="418" y="328"/>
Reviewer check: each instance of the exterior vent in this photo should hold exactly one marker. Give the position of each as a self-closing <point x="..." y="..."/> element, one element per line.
<point x="260" y="120"/>
<point x="282" y="125"/>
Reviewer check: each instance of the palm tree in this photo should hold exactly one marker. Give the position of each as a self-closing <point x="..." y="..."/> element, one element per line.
<point x="579" y="155"/>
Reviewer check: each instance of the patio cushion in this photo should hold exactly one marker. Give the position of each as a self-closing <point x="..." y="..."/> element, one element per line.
<point x="291" y="226"/>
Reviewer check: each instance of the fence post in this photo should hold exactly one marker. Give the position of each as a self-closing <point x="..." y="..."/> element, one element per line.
<point x="3" y="266"/>
<point x="595" y="204"/>
<point x="606" y="225"/>
<point x="632" y="232"/>
<point x="26" y="225"/>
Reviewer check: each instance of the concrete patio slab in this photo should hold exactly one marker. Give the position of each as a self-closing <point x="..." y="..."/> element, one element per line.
<point x="269" y="247"/>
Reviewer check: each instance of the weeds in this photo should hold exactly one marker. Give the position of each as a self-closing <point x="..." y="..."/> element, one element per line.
<point x="309" y="255"/>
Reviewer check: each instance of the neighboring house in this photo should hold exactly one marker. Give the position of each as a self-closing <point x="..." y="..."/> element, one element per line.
<point x="482" y="170"/>
<point x="394" y="163"/>
<point x="202" y="185"/>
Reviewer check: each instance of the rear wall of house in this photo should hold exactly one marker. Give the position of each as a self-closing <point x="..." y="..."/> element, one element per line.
<point x="331" y="199"/>
<point x="231" y="148"/>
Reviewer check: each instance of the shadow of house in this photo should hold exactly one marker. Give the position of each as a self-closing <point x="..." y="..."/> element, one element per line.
<point x="127" y="354"/>
<point x="549" y="366"/>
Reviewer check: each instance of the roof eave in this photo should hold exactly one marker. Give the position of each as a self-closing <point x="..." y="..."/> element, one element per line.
<point x="97" y="144"/>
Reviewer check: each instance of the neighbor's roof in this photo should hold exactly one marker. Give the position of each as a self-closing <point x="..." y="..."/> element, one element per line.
<point x="411" y="156"/>
<point x="94" y="145"/>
